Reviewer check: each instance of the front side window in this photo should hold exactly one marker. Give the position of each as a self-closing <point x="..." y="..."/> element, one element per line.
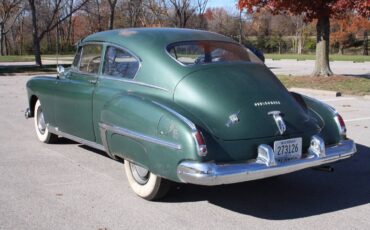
<point x="203" y="52"/>
<point x="120" y="63"/>
<point x="76" y="60"/>
<point x="91" y="58"/>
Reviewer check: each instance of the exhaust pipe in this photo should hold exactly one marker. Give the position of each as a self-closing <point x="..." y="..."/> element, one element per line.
<point x="324" y="168"/>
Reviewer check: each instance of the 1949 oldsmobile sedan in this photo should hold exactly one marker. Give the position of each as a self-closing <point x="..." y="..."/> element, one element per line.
<point x="184" y="105"/>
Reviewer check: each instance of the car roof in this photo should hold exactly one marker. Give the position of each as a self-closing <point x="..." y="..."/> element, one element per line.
<point x="153" y="36"/>
<point x="149" y="45"/>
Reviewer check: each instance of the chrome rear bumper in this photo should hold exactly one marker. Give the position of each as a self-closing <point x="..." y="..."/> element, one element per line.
<point x="209" y="173"/>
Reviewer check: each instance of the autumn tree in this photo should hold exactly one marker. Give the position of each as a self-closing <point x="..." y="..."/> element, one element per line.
<point x="342" y="33"/>
<point x="9" y="12"/>
<point x="183" y="10"/>
<point x="362" y="26"/>
<point x="47" y="20"/>
<point x="112" y="8"/>
<point x="320" y="10"/>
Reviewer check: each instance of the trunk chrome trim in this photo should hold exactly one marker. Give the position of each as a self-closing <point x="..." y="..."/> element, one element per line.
<point x="56" y="131"/>
<point x="210" y="173"/>
<point x="138" y="136"/>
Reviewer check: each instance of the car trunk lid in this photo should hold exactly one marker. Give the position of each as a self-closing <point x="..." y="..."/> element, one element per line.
<point x="237" y="101"/>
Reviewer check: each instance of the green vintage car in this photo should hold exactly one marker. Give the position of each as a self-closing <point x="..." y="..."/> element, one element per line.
<point x="184" y="105"/>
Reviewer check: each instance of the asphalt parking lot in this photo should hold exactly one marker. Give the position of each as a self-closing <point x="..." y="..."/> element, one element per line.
<point x="71" y="186"/>
<point x="299" y="68"/>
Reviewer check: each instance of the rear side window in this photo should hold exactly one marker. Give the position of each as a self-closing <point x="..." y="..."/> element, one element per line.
<point x="120" y="63"/>
<point x="204" y="52"/>
<point x="91" y="58"/>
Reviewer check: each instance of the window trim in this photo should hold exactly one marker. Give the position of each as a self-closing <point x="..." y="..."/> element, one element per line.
<point x="77" y="70"/>
<point x="101" y="59"/>
<point x="193" y="64"/>
<point x="138" y="59"/>
<point x="79" y="49"/>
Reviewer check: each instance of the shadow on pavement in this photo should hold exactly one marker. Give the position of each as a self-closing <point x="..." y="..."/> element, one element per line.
<point x="296" y="195"/>
<point x="366" y="76"/>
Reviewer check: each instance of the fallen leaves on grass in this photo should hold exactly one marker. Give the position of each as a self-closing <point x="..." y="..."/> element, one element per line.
<point x="344" y="84"/>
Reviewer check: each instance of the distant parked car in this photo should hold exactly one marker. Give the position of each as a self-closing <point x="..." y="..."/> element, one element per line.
<point x="256" y="52"/>
<point x="184" y="105"/>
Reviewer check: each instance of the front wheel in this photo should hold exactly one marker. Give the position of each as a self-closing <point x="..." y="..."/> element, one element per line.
<point x="42" y="131"/>
<point x="144" y="183"/>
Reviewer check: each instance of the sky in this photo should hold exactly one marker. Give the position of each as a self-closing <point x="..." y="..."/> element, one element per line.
<point x="227" y="4"/>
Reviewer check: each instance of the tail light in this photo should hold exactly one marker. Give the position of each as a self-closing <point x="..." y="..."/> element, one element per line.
<point x="341" y="125"/>
<point x="200" y="143"/>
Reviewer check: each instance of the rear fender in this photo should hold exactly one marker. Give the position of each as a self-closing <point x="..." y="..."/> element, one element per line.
<point x="325" y="115"/>
<point x="148" y="133"/>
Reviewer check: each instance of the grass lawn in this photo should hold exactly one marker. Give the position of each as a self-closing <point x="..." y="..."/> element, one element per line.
<point x="333" y="57"/>
<point x="28" y="70"/>
<point x="27" y="58"/>
<point x="14" y="58"/>
<point x="343" y="84"/>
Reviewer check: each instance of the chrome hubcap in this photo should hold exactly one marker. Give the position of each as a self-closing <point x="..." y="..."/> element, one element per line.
<point x="41" y="121"/>
<point x="140" y="174"/>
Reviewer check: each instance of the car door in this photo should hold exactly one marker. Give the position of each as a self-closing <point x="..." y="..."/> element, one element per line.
<point x="118" y="71"/>
<point x="73" y="100"/>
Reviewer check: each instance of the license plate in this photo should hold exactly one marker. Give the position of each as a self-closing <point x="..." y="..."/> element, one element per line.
<point x="289" y="149"/>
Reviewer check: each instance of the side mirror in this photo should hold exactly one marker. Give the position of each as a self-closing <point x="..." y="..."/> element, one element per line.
<point x="60" y="71"/>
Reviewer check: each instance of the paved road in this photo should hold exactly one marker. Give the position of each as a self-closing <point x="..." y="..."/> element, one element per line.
<point x="299" y="68"/>
<point x="70" y="186"/>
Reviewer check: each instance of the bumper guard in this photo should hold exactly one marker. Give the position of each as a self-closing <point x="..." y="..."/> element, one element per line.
<point x="209" y="173"/>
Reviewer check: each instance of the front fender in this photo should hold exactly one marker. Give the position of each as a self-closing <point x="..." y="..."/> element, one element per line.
<point x="148" y="133"/>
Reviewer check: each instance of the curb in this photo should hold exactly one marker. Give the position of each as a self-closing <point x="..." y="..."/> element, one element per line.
<point x="318" y="91"/>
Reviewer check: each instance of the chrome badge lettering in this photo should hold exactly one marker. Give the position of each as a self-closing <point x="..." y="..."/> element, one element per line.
<point x="278" y="121"/>
<point x="265" y="103"/>
<point x="233" y="119"/>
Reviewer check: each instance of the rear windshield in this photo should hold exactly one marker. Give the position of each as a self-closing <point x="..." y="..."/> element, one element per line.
<point x="203" y="52"/>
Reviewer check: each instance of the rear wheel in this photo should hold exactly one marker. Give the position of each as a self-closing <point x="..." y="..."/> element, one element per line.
<point x="42" y="131"/>
<point x="144" y="183"/>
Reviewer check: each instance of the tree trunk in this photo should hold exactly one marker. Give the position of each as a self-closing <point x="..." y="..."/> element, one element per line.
<point x="322" y="67"/>
<point x="240" y="27"/>
<point x="48" y="41"/>
<point x="365" y="45"/>
<point x="35" y="34"/>
<point x="21" y="45"/>
<point x="299" y="45"/>
<point x="341" y="49"/>
<point x="111" y="17"/>
<point x="2" y="39"/>
<point x="68" y="42"/>
<point x="7" y="45"/>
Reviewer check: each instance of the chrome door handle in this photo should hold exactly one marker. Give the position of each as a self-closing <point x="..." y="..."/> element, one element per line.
<point x="93" y="81"/>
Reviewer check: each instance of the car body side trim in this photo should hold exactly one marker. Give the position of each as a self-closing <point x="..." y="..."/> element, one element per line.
<point x="132" y="82"/>
<point x="56" y="131"/>
<point x="104" y="140"/>
<point x="138" y="136"/>
<point x="181" y="117"/>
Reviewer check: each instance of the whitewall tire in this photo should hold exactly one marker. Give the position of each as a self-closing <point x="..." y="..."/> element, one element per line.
<point x="144" y="183"/>
<point x="40" y="125"/>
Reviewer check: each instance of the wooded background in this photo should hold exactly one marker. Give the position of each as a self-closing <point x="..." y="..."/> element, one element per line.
<point x="58" y="24"/>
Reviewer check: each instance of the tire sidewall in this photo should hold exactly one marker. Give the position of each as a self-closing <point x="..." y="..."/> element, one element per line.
<point x="148" y="190"/>
<point x="43" y="137"/>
